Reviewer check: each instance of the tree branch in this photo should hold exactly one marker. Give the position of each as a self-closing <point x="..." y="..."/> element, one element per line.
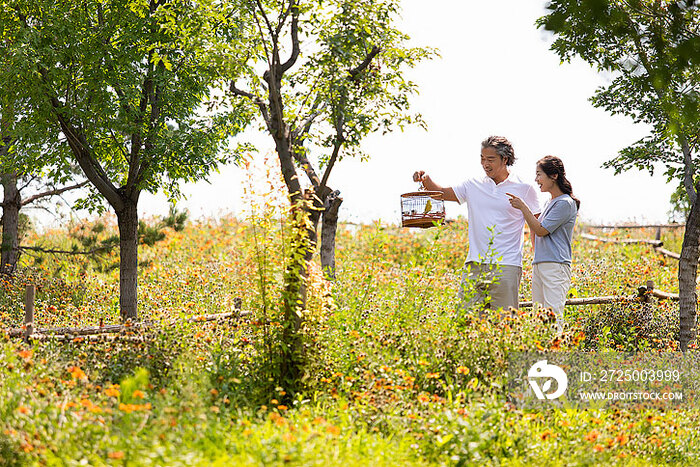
<point x="331" y="162"/>
<point x="295" y="39"/>
<point x="54" y="192"/>
<point x="365" y="63"/>
<point x="256" y="100"/>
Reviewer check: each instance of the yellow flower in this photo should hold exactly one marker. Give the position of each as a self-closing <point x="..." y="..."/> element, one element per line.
<point x="77" y="373"/>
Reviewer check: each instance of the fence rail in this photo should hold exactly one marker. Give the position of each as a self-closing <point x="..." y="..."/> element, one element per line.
<point x="635" y="226"/>
<point x="643" y="295"/>
<point x="28" y="332"/>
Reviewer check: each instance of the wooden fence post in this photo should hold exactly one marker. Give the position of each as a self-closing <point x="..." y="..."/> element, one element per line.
<point x="29" y="312"/>
<point x="645" y="315"/>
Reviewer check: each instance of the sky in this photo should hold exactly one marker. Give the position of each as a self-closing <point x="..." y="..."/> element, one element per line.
<point x="495" y="76"/>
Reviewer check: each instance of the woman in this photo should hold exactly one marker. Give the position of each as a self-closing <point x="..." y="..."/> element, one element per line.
<point x="554" y="229"/>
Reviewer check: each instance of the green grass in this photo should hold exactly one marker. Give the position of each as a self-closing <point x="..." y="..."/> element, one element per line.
<point x="391" y="377"/>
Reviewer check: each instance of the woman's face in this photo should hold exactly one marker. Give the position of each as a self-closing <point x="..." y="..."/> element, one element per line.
<point x="545" y="182"/>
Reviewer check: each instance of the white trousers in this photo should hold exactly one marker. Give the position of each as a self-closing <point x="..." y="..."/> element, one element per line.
<point x="550" y="284"/>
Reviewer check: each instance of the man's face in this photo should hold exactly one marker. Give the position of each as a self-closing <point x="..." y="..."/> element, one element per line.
<point x="494" y="165"/>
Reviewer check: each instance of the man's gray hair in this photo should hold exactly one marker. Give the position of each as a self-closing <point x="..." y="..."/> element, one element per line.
<point x="502" y="147"/>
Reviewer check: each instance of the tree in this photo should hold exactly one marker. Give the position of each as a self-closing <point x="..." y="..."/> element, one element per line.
<point x="652" y="47"/>
<point x="125" y="82"/>
<point x="323" y="75"/>
<point x="23" y="167"/>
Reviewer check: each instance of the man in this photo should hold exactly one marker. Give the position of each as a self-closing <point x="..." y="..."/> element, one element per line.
<point x="494" y="261"/>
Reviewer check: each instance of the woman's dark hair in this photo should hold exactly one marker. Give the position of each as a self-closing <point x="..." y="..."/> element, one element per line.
<point x="552" y="166"/>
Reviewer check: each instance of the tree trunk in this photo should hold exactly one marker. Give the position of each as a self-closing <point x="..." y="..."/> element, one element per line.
<point x="329" y="228"/>
<point x="10" y="224"/>
<point x="687" y="274"/>
<point x="128" y="221"/>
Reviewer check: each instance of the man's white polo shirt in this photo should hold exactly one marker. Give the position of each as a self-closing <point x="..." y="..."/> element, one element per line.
<point x="489" y="208"/>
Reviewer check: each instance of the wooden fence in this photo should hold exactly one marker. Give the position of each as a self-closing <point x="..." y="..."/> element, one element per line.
<point x="643" y="295"/>
<point x="28" y="332"/>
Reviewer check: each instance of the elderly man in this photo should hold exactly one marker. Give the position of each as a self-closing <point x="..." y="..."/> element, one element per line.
<point x="494" y="261"/>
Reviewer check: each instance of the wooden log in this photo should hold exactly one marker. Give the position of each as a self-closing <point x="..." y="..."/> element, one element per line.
<point x="635" y="226"/>
<point x="588" y="301"/>
<point x="90" y="339"/>
<point x="643" y="292"/>
<point x="656" y="243"/>
<point x="666" y="252"/>
<point x="118" y="328"/>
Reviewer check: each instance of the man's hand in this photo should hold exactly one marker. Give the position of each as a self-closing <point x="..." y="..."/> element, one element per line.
<point x="419" y="176"/>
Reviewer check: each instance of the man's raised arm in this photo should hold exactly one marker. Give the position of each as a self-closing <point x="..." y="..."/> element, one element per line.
<point x="448" y="193"/>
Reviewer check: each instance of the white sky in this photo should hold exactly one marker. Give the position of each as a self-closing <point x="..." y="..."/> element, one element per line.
<point x="496" y="75"/>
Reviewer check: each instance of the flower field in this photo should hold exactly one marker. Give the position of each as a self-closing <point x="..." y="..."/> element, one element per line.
<point x="391" y="375"/>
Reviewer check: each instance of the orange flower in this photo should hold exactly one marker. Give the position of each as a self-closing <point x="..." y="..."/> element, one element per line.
<point x="333" y="430"/>
<point x="113" y="390"/>
<point x="432" y="375"/>
<point x="462" y="370"/>
<point x="622" y="439"/>
<point x="546" y="434"/>
<point x="598" y="448"/>
<point x="23" y="409"/>
<point x="139" y="394"/>
<point x="25" y="353"/>
<point x="116" y="455"/>
<point x="592" y="436"/>
<point x="77" y="373"/>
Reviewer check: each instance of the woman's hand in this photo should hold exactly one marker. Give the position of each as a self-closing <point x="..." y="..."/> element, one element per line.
<point x="517" y="203"/>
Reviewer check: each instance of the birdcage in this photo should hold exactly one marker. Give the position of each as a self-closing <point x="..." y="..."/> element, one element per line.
<point x="422" y="209"/>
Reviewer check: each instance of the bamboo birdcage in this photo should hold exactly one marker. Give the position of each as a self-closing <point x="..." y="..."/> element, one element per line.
<point x="422" y="209"/>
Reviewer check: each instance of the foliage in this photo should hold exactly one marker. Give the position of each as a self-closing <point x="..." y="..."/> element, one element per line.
<point x="391" y="378"/>
<point x="652" y="49"/>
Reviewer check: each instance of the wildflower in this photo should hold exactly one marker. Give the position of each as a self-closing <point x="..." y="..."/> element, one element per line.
<point x="116" y="455"/>
<point x="592" y="436"/>
<point x="23" y="409"/>
<point x="112" y="391"/>
<point x="622" y="439"/>
<point x="282" y="407"/>
<point x="546" y="434"/>
<point x="333" y="430"/>
<point x="432" y="375"/>
<point x="598" y="448"/>
<point x="77" y="373"/>
<point x="139" y="394"/>
<point x="462" y="370"/>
